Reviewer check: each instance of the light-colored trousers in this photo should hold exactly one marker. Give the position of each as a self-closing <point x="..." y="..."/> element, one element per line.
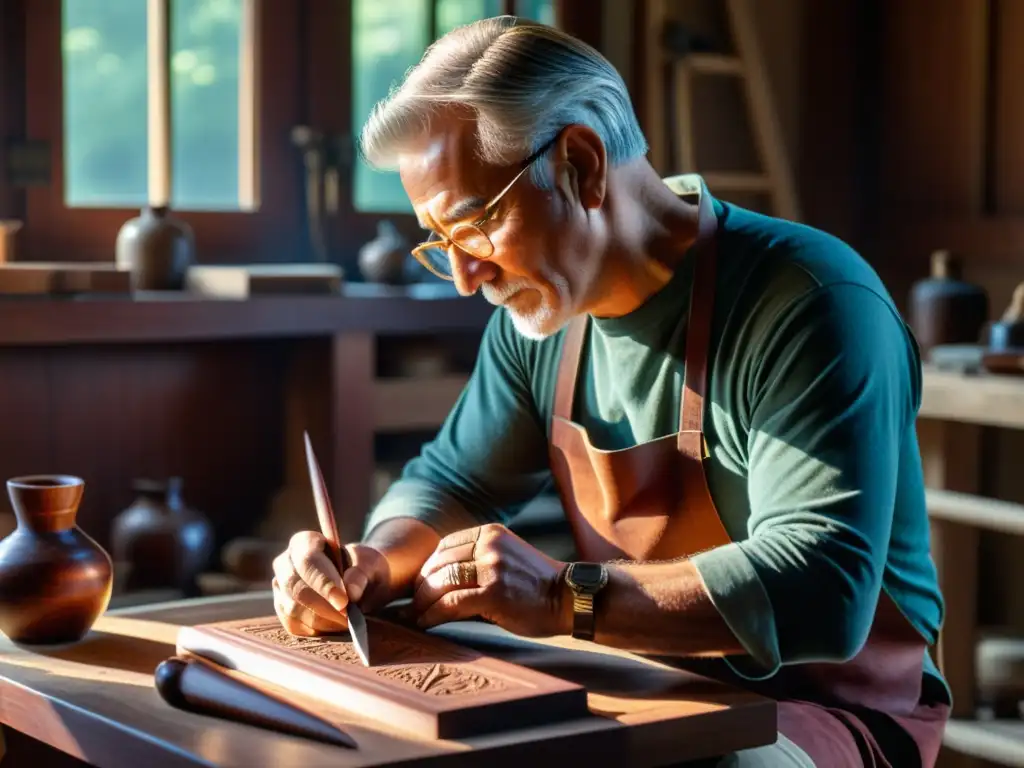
<point x="782" y="754"/>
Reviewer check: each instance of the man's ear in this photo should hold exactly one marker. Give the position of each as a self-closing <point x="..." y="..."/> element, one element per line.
<point x="566" y="181"/>
<point x="584" y="152"/>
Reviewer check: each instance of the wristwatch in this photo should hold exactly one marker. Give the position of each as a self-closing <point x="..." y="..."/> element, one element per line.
<point x="585" y="580"/>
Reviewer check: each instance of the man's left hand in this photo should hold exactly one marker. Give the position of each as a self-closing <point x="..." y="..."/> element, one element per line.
<point x="490" y="572"/>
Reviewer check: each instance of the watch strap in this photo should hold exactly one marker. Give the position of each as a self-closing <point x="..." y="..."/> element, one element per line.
<point x="582" y="616"/>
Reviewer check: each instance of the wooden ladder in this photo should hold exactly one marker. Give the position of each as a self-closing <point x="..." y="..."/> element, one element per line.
<point x="775" y="177"/>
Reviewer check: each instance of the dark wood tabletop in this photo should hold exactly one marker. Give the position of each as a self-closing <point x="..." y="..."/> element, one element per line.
<point x="95" y="701"/>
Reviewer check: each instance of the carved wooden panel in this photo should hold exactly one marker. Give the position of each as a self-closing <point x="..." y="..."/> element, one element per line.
<point x="417" y="682"/>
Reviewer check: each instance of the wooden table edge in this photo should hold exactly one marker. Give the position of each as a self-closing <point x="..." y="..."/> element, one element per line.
<point x="60" y="723"/>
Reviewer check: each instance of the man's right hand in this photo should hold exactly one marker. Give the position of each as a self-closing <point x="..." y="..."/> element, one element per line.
<point x="311" y="597"/>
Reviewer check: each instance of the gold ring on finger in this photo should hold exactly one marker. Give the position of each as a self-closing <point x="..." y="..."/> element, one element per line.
<point x="465" y="573"/>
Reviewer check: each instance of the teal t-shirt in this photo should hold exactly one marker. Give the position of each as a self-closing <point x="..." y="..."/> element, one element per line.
<point x="814" y="388"/>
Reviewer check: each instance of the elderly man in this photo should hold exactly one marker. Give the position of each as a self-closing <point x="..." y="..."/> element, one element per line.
<point x="724" y="401"/>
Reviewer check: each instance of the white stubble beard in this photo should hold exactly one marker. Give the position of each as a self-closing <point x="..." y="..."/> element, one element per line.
<point x="545" y="320"/>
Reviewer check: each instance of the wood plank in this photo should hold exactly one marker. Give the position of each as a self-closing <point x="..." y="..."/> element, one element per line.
<point x="1008" y="117"/>
<point x="983" y="399"/>
<point x="934" y="102"/>
<point x="1000" y="742"/>
<point x="419" y="684"/>
<point x="54" y="278"/>
<point x="977" y="511"/>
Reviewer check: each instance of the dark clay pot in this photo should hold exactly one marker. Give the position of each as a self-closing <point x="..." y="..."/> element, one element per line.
<point x="945" y="309"/>
<point x="158" y="249"/>
<point x="55" y="580"/>
<point x="162" y="542"/>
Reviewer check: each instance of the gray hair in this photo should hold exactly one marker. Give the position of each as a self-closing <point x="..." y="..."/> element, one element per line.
<point x="524" y="81"/>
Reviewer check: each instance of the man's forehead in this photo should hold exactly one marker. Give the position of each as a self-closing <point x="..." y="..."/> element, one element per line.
<point x="444" y="179"/>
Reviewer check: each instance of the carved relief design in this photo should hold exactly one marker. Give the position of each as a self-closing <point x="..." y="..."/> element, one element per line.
<point x="420" y="664"/>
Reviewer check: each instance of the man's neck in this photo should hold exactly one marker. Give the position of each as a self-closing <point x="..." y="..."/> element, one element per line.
<point x="652" y="229"/>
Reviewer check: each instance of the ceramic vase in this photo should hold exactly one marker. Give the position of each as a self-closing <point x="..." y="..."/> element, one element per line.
<point x="55" y="580"/>
<point x="157" y="248"/>
<point x="945" y="309"/>
<point x="382" y="260"/>
<point x="162" y="542"/>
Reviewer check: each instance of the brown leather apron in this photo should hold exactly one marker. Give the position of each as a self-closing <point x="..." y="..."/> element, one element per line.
<point x="652" y="502"/>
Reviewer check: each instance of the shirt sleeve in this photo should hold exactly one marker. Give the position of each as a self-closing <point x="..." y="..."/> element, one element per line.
<point x="831" y="394"/>
<point x="489" y="456"/>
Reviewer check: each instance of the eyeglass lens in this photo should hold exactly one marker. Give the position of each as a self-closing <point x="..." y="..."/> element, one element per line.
<point x="467" y="238"/>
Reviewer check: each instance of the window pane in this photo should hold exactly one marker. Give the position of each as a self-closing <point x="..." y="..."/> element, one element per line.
<point x="388" y="38"/>
<point x="455" y="13"/>
<point x="205" y="40"/>
<point x="538" y="10"/>
<point x="104" y="49"/>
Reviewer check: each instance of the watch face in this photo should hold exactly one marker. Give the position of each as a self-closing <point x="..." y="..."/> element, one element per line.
<point x="587" y="576"/>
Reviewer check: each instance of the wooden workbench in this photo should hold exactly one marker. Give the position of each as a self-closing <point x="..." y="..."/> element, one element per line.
<point x="955" y="408"/>
<point x="95" y="702"/>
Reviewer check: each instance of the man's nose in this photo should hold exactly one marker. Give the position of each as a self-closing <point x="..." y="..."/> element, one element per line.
<point x="469" y="272"/>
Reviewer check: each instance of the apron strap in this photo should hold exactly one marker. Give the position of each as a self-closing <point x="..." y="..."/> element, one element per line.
<point x="569" y="366"/>
<point x="698" y="331"/>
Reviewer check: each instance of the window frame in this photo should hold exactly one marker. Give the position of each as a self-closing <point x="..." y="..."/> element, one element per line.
<point x="55" y="232"/>
<point x="306" y="79"/>
<point x="353" y="228"/>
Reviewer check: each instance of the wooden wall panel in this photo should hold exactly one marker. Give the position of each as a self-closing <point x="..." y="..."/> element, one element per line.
<point x="831" y="140"/>
<point x="12" y="97"/>
<point x="1007" y="165"/>
<point x="934" y="106"/>
<point x="210" y="413"/>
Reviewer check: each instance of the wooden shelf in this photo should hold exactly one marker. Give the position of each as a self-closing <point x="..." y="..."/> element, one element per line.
<point x="713" y="64"/>
<point x="727" y="181"/>
<point x="999" y="741"/>
<point x="976" y="511"/>
<point x="982" y="398"/>
<point x="954" y="408"/>
<point x="170" y="317"/>
<point x="408" y="404"/>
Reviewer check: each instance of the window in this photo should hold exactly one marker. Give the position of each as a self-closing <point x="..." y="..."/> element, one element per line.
<point x="200" y="111"/>
<point x="388" y="38"/>
<point x="109" y="71"/>
<point x="165" y="101"/>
